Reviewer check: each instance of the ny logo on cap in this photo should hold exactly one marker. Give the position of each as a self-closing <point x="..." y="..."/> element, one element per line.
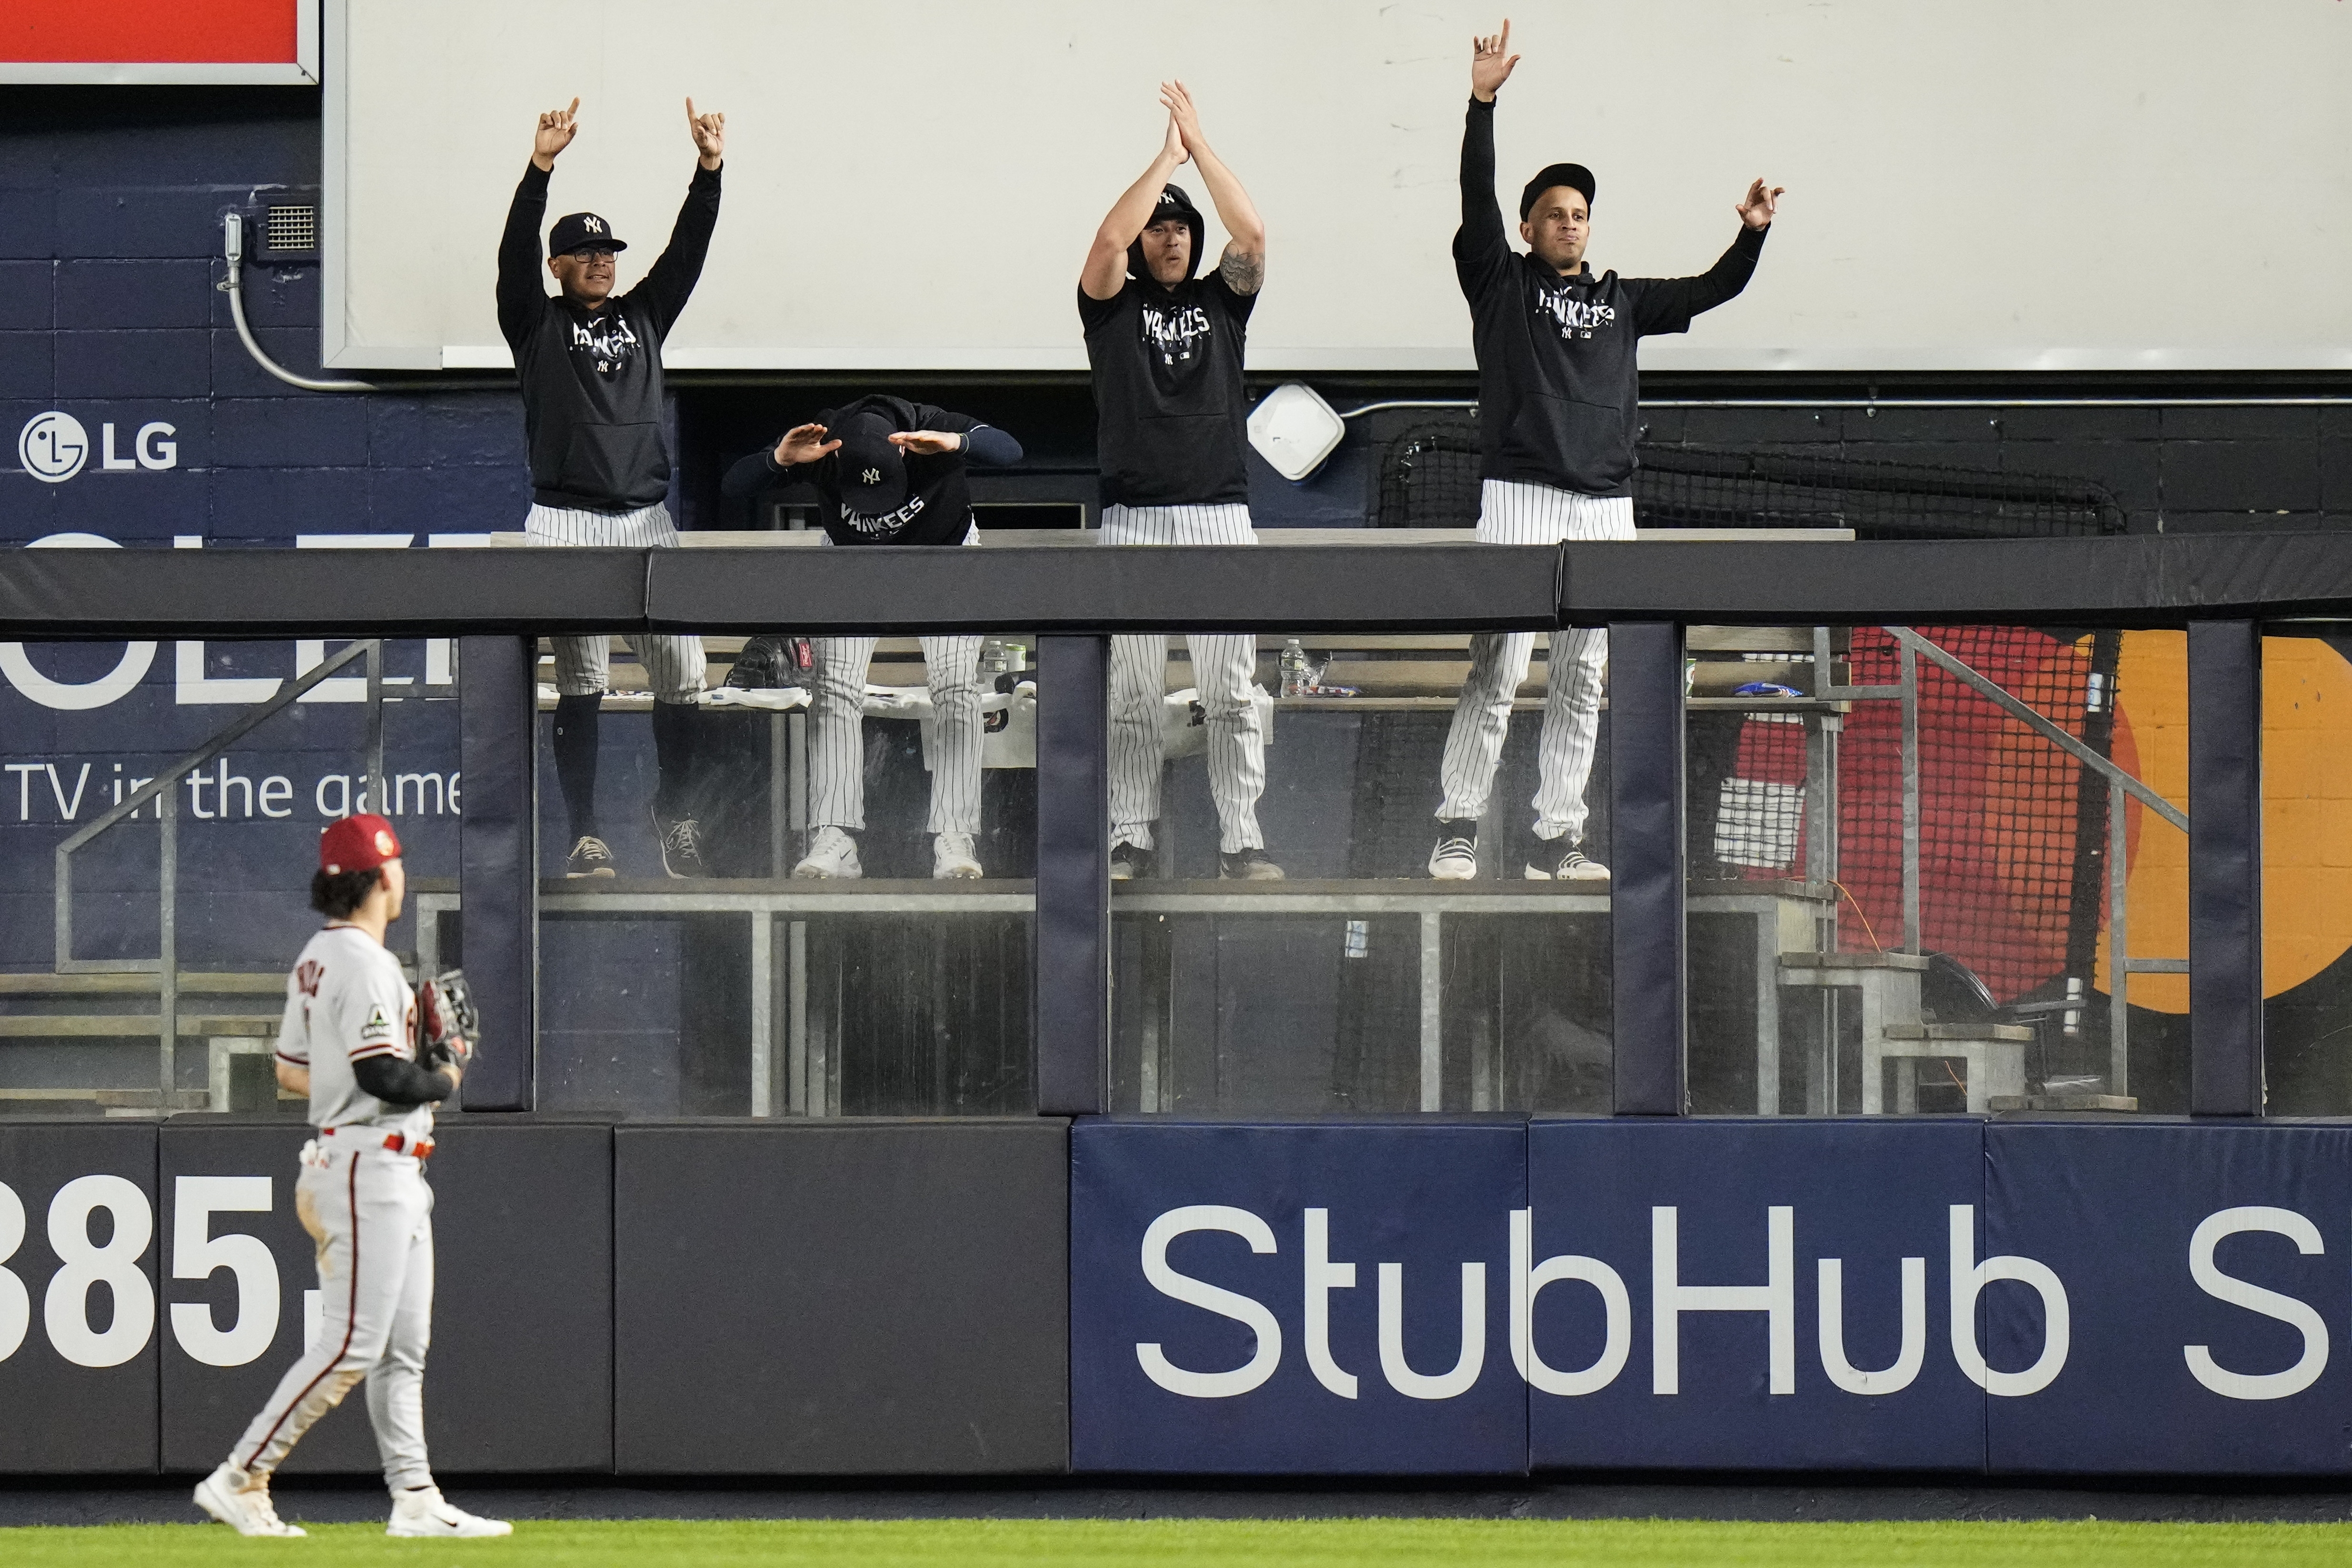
<point x="592" y="224"/>
<point x="871" y="476"/>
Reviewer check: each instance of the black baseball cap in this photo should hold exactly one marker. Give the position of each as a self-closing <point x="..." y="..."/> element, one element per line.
<point x="873" y="471"/>
<point x="1575" y="176"/>
<point x="1175" y="204"/>
<point x="573" y="230"/>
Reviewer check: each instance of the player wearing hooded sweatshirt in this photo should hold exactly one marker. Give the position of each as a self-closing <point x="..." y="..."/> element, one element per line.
<point x="891" y="473"/>
<point x="589" y="364"/>
<point x="1559" y="406"/>
<point x="1166" y="351"/>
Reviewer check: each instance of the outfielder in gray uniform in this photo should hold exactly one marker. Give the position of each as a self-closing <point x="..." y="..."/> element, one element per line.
<point x="590" y="367"/>
<point x="1559" y="405"/>
<point x="1166" y="351"/>
<point x="350" y="1039"/>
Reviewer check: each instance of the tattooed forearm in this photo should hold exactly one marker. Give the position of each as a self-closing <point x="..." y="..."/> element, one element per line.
<point x="1242" y="270"/>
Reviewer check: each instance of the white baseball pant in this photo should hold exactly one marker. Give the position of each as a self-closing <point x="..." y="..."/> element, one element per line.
<point x="370" y="1211"/>
<point x="838" y="750"/>
<point x="1224" y="671"/>
<point x="1513" y="513"/>
<point x="674" y="664"/>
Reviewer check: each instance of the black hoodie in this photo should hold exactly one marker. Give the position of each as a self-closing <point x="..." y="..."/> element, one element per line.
<point x="936" y="509"/>
<point x="1169" y="404"/>
<point x="592" y="380"/>
<point x="1559" y="392"/>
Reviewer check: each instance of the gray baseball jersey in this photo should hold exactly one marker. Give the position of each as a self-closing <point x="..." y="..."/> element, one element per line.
<point x="346" y="1000"/>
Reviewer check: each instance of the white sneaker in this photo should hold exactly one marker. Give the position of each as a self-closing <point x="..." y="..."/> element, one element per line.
<point x="952" y="856"/>
<point x="1455" y="858"/>
<point x="833" y="855"/>
<point x="425" y="1513"/>
<point x="242" y="1503"/>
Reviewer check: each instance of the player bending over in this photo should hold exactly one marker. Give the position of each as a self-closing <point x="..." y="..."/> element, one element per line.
<point x="590" y="365"/>
<point x="891" y="473"/>
<point x="1166" y="349"/>
<point x="350" y="1040"/>
<point x="1557" y="412"/>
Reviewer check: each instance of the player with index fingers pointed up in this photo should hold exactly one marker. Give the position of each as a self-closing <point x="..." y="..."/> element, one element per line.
<point x="589" y="362"/>
<point x="1166" y="352"/>
<point x="1558" y="408"/>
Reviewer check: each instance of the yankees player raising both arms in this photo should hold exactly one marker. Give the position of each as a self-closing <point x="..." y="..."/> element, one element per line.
<point x="1557" y="412"/>
<point x="1166" y="351"/>
<point x="590" y="365"/>
<point x="892" y="473"/>
<point x="374" y="1058"/>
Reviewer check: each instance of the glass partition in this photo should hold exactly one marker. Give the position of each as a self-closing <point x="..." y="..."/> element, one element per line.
<point x="786" y="876"/>
<point x="1902" y="859"/>
<point x="2307" y="868"/>
<point x="154" y="978"/>
<point x="1403" y="960"/>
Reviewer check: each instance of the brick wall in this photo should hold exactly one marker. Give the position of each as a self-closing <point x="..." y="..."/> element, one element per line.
<point x="109" y="255"/>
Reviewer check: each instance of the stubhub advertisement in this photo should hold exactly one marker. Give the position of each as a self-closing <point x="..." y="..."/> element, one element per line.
<point x="1487" y="1296"/>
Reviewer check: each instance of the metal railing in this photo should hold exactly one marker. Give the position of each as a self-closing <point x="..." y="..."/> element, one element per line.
<point x="163" y="792"/>
<point x="2121" y="965"/>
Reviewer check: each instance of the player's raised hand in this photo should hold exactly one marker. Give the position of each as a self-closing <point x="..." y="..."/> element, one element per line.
<point x="1182" y="114"/>
<point x="929" y="442"/>
<point x="556" y="126"/>
<point x="802" y="444"/>
<point x="1490" y="63"/>
<point x="1757" y="210"/>
<point x="709" y="133"/>
<point x="1173" y="152"/>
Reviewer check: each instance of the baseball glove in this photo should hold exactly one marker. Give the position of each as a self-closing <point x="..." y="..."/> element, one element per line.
<point x="446" y="1021"/>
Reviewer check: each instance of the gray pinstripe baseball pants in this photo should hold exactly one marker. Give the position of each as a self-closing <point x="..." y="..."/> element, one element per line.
<point x="1225" y="668"/>
<point x="838" y="736"/>
<point x="674" y="666"/>
<point x="1511" y="513"/>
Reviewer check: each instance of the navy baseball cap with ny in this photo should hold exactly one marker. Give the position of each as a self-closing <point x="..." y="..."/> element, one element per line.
<point x="1575" y="176"/>
<point x="1174" y="202"/>
<point x="873" y="471"/>
<point x="575" y="230"/>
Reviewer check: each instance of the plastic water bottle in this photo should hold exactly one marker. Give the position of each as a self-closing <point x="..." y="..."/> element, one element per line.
<point x="1295" y="679"/>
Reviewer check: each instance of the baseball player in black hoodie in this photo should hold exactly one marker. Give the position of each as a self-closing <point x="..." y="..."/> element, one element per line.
<point x="1559" y="407"/>
<point x="590" y="365"/>
<point x="891" y="473"/>
<point x="1166" y="351"/>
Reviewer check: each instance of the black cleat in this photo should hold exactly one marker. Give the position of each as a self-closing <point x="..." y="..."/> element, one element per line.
<point x="1128" y="862"/>
<point x="1561" y="859"/>
<point x="681" y="845"/>
<point x="589" y="857"/>
<point x="1247" y="866"/>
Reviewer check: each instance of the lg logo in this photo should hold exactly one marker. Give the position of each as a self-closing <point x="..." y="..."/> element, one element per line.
<point x="53" y="446"/>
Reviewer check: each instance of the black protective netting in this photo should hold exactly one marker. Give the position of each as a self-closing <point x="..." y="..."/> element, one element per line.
<point x="1429" y="479"/>
<point x="2010" y="859"/>
<point x="2009" y="847"/>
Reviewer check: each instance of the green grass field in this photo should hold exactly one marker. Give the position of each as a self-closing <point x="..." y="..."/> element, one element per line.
<point x="1245" y="1544"/>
